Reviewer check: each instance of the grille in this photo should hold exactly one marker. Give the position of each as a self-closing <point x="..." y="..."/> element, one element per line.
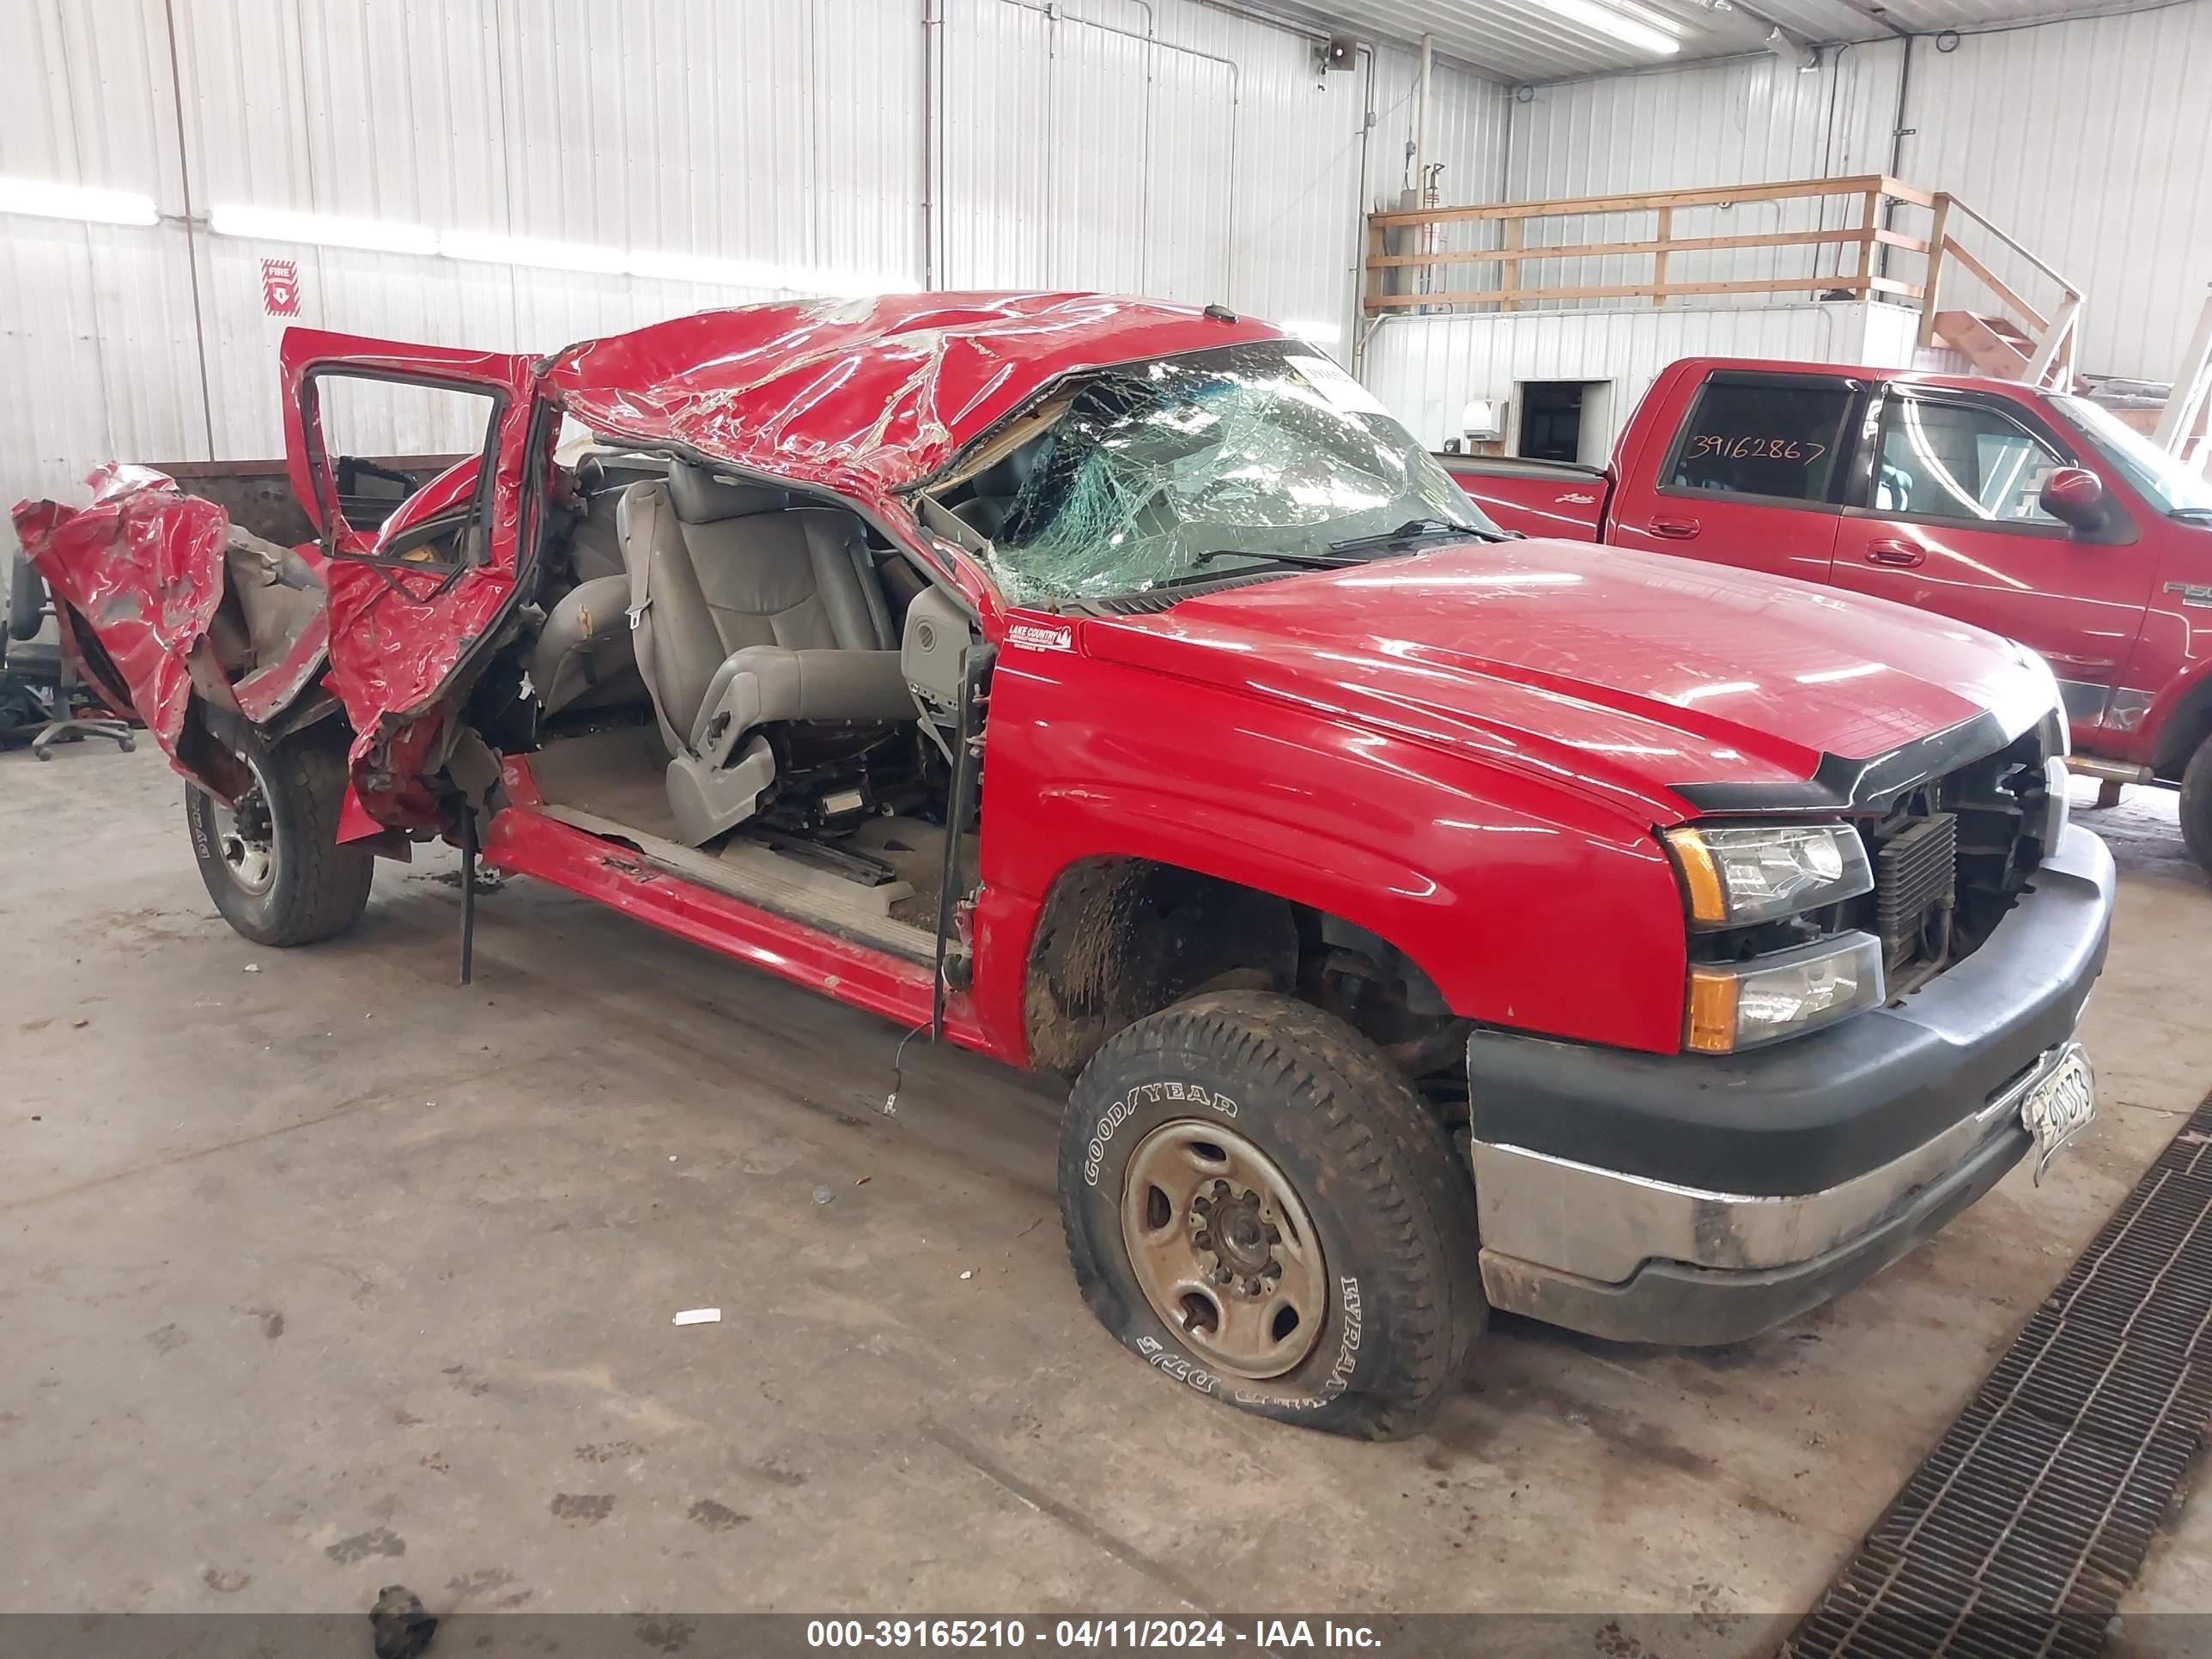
<point x="2032" y="1514"/>
<point x="1915" y="872"/>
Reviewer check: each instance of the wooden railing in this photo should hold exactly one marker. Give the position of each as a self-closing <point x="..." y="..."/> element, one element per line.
<point x="2051" y="338"/>
<point x="1875" y="202"/>
<point x="1872" y="191"/>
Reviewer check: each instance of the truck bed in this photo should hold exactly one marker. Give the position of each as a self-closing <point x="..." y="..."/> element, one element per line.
<point x="1539" y="498"/>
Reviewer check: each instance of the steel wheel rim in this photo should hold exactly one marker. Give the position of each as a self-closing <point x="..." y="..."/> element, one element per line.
<point x="1223" y="1249"/>
<point x="246" y="838"/>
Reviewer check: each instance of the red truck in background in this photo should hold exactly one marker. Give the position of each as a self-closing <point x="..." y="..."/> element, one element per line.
<point x="2036" y="514"/>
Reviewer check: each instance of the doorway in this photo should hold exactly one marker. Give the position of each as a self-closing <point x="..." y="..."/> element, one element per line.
<point x="1565" y="420"/>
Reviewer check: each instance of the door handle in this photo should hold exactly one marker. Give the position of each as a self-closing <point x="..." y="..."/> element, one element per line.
<point x="1673" y="530"/>
<point x="1889" y="551"/>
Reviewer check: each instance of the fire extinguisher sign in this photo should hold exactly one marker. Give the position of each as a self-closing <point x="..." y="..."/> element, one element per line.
<point x="279" y="288"/>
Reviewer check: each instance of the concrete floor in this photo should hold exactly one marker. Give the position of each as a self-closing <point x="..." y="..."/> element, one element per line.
<point x="318" y="1271"/>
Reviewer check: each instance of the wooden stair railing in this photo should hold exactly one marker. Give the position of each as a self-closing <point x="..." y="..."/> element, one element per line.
<point x="2007" y="338"/>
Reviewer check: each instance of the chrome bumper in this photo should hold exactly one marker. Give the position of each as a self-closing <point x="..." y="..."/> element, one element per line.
<point x="1601" y="1224"/>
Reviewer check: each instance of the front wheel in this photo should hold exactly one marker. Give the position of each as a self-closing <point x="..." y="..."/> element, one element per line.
<point x="2197" y="806"/>
<point x="1259" y="1206"/>
<point x="272" y="862"/>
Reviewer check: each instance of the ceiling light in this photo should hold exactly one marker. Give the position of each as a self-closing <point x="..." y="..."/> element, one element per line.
<point x="1606" y="20"/>
<point x="45" y="199"/>
<point x="322" y="229"/>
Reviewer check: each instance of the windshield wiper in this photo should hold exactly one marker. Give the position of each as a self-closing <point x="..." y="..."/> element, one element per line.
<point x="1328" y="560"/>
<point x="1197" y="573"/>
<point x="1412" y="529"/>
<point x="2194" y="514"/>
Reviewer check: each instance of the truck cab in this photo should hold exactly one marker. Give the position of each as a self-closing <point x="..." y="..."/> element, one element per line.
<point x="2036" y="514"/>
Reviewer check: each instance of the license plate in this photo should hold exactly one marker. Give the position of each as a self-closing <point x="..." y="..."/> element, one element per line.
<point x="2059" y="1105"/>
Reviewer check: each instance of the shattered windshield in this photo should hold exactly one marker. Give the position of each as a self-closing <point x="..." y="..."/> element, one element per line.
<point x="1215" y="462"/>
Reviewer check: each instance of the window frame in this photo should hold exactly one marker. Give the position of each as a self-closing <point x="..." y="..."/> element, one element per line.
<point x="1852" y="420"/>
<point x="1860" y="501"/>
<point x="323" y="469"/>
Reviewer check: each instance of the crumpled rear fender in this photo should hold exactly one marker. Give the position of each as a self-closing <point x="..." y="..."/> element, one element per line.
<point x="142" y="568"/>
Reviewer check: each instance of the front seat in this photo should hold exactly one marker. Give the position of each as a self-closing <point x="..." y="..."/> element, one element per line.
<point x="746" y="611"/>
<point x="582" y="659"/>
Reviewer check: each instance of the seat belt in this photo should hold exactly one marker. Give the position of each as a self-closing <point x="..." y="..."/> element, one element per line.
<point x="641" y="601"/>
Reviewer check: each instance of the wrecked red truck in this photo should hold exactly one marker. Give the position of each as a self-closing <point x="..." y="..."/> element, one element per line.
<point x="2035" y="513"/>
<point x="1425" y="920"/>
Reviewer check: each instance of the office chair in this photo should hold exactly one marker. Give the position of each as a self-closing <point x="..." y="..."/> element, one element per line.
<point x="37" y="665"/>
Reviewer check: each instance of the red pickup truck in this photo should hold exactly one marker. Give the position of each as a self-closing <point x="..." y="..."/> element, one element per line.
<point x="1424" y="920"/>
<point x="2036" y="514"/>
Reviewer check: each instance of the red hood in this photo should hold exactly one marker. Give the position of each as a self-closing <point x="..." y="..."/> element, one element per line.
<point x="865" y="396"/>
<point x="1628" y="673"/>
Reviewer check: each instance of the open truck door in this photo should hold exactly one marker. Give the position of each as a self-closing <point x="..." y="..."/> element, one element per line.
<point x="416" y="599"/>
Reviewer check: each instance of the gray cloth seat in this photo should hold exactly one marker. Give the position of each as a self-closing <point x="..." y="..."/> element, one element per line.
<point x="583" y="657"/>
<point x="749" y="611"/>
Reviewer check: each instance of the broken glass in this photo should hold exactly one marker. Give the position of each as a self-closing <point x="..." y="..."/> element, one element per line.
<point x="1149" y="469"/>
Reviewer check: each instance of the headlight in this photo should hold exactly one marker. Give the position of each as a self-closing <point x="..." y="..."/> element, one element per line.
<point x="1783" y="994"/>
<point x="1763" y="872"/>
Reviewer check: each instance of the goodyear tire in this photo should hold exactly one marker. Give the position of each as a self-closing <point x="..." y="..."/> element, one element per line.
<point x="273" y="865"/>
<point x="1259" y="1207"/>
<point x="2197" y="806"/>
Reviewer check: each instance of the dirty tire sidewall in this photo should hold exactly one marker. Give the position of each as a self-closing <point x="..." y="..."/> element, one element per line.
<point x="321" y="888"/>
<point x="2197" y="806"/>
<point x="1374" y="1168"/>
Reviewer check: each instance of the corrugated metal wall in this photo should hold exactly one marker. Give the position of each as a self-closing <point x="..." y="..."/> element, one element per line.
<point x="1159" y="145"/>
<point x="1427" y="369"/>
<point x="2091" y="141"/>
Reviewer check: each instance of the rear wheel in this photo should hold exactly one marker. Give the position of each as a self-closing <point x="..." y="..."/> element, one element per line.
<point x="272" y="862"/>
<point x="1259" y="1206"/>
<point x="2197" y="806"/>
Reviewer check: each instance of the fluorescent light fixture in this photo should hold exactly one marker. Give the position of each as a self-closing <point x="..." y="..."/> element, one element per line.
<point x="44" y="199"/>
<point x="492" y="248"/>
<point x="322" y="229"/>
<point x="702" y="268"/>
<point x="1606" y="20"/>
<point x="1318" y="333"/>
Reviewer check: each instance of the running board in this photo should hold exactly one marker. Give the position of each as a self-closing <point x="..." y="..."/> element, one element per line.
<point x="758" y="876"/>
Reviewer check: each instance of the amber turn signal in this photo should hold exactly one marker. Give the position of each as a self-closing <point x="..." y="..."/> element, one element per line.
<point x="1701" y="878"/>
<point x="1712" y="1011"/>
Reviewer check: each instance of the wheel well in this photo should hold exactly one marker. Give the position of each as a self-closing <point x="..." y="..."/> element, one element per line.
<point x="1121" y="938"/>
<point x="2185" y="728"/>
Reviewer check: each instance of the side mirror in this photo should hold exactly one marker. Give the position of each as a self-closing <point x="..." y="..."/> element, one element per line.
<point x="2075" y="497"/>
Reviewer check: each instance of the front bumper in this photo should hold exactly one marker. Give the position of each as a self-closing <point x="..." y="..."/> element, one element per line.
<point x="1692" y="1200"/>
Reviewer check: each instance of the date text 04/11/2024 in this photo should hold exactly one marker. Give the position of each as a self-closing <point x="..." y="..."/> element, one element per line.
<point x="1262" y="1635"/>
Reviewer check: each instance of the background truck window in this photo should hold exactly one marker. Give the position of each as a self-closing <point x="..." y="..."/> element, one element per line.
<point x="1960" y="461"/>
<point x="1776" y="438"/>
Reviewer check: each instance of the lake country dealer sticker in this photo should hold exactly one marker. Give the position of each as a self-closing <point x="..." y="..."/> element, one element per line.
<point x="1041" y="636"/>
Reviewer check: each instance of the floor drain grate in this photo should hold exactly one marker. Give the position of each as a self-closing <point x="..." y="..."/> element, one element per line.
<point x="2020" y="1533"/>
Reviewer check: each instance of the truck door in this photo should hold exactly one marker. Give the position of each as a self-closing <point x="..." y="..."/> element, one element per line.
<point x="1752" y="476"/>
<point x="1946" y="518"/>
<point x="412" y="590"/>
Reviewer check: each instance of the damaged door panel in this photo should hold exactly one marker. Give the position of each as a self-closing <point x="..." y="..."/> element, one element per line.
<point x="412" y="601"/>
<point x="173" y="614"/>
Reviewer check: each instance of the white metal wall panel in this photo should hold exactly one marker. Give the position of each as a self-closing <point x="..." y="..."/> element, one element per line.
<point x="1425" y="369"/>
<point x="2090" y="142"/>
<point x="96" y="341"/>
<point x="1161" y="145"/>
